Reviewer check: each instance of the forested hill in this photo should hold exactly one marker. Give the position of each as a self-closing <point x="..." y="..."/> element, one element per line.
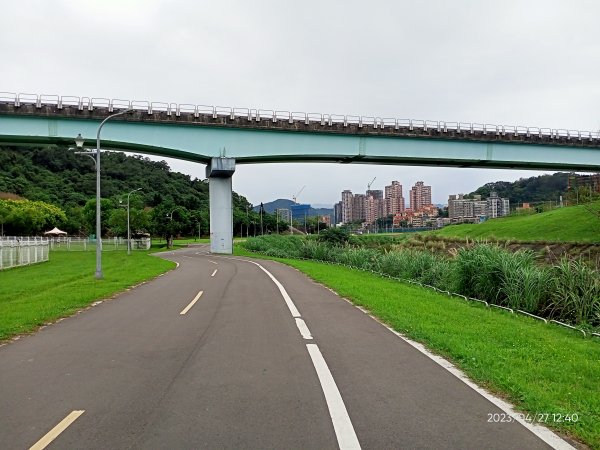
<point x="539" y="189"/>
<point x="60" y="177"/>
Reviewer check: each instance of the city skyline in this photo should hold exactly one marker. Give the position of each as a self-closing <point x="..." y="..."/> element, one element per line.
<point x="377" y="204"/>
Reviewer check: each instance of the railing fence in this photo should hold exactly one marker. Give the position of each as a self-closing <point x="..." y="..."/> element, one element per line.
<point x="88" y="244"/>
<point x="21" y="251"/>
<point x="16" y="252"/>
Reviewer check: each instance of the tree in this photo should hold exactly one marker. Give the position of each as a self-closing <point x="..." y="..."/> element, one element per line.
<point x="169" y="221"/>
<point x="89" y="214"/>
<point x="3" y="215"/>
<point x="25" y="217"/>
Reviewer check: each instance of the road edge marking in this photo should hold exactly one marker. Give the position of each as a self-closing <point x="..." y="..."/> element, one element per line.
<point x="288" y="300"/>
<point x="542" y="432"/>
<point x="188" y="307"/>
<point x="57" y="430"/>
<point x="342" y="425"/>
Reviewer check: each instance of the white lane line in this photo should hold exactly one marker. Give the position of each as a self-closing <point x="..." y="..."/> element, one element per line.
<point x="344" y="431"/>
<point x="284" y="294"/>
<point x="342" y="425"/>
<point x="213" y="274"/>
<point x="55" y="432"/>
<point x="213" y="262"/>
<point x="188" y="307"/>
<point x="304" y="331"/>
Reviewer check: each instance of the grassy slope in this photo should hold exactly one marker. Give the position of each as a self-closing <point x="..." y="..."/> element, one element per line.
<point x="34" y="295"/>
<point x="540" y="368"/>
<point x="571" y="224"/>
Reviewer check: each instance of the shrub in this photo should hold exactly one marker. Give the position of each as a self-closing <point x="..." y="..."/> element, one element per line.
<point x="334" y="236"/>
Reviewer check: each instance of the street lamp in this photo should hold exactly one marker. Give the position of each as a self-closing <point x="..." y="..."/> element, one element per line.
<point x="79" y="143"/>
<point x="170" y="217"/>
<point x="128" y="228"/>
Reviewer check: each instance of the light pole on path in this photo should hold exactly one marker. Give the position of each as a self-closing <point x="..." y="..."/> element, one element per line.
<point x="79" y="143"/>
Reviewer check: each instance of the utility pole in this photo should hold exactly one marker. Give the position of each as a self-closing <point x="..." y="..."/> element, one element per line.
<point x="262" y="208"/>
<point x="247" y="224"/>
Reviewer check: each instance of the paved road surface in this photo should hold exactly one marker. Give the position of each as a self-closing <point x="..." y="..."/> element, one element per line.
<point x="236" y="372"/>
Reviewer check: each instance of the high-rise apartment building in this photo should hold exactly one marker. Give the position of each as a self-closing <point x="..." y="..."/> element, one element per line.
<point x="420" y="196"/>
<point x="394" y="201"/>
<point x="347" y="198"/>
<point x="375" y="205"/>
<point x="496" y="206"/>
<point x="358" y="207"/>
<point x="337" y="213"/>
<point x="461" y="209"/>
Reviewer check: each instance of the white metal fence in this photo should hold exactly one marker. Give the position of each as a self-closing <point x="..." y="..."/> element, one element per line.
<point x="23" y="251"/>
<point x="87" y="244"/>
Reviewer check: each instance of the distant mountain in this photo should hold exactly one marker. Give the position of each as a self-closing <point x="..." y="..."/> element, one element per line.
<point x="283" y="203"/>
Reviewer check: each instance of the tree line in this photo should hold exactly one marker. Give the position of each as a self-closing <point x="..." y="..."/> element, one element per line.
<point x="43" y="187"/>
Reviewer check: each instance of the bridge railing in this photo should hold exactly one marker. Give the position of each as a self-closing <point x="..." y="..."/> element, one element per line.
<point x="257" y="115"/>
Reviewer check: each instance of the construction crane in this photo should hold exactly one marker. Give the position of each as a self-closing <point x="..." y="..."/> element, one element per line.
<point x="369" y="184"/>
<point x="295" y="197"/>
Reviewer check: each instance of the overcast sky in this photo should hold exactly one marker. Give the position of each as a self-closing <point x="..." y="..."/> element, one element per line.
<point x="532" y="63"/>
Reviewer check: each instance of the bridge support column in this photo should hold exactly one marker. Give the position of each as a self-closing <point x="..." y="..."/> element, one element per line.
<point x="219" y="173"/>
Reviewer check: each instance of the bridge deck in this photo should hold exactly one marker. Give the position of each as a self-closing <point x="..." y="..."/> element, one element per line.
<point x="254" y="136"/>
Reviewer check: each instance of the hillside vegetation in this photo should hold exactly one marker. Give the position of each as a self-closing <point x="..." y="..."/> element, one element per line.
<point x="570" y="224"/>
<point x="59" y="177"/>
<point x="533" y="190"/>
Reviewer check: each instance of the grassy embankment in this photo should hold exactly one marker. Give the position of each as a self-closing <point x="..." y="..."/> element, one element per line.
<point x="540" y="368"/>
<point x="571" y="224"/>
<point x="34" y="295"/>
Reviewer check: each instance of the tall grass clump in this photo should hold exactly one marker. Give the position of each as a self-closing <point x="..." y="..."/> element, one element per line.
<point x="314" y="250"/>
<point x="422" y="266"/>
<point x="575" y="293"/>
<point x="362" y="258"/>
<point x="524" y="283"/>
<point x="496" y="275"/>
<point x="276" y="245"/>
<point x="478" y="272"/>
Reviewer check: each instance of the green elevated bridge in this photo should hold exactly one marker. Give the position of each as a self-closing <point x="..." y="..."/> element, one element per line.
<point x="222" y="137"/>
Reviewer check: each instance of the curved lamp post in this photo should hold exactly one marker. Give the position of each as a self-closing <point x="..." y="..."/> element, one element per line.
<point x="79" y="143"/>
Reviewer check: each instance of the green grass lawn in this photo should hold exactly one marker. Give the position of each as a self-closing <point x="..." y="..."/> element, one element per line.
<point x="570" y="224"/>
<point x="158" y="243"/>
<point x="540" y="368"/>
<point x="34" y="295"/>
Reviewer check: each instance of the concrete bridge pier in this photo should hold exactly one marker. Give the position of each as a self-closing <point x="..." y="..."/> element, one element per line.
<point x="219" y="173"/>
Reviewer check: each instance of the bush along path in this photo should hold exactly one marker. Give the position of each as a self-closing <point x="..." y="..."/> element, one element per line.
<point x="567" y="293"/>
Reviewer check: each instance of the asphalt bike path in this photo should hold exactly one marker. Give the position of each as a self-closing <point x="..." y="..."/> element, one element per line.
<point x="213" y="355"/>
